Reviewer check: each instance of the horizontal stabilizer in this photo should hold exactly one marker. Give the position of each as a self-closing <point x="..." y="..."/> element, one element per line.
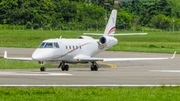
<point x="92" y="34"/>
<point x="115" y="34"/>
<point x="128" y="34"/>
<point x="13" y="58"/>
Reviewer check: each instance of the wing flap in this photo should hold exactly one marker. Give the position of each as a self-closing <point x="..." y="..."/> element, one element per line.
<point x="90" y="59"/>
<point x="124" y="59"/>
<point x="133" y="59"/>
<point x="92" y="34"/>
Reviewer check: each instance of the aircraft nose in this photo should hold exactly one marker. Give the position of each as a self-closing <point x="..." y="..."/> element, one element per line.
<point x="36" y="56"/>
<point x="41" y="54"/>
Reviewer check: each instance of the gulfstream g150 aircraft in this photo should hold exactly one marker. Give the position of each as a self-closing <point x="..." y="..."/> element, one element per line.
<point x="82" y="49"/>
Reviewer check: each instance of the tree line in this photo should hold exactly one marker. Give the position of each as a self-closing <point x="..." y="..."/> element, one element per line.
<point x="89" y="14"/>
<point x="161" y="14"/>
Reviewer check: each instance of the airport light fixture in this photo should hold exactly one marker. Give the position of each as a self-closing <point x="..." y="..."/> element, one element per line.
<point x="106" y="4"/>
<point x="173" y="23"/>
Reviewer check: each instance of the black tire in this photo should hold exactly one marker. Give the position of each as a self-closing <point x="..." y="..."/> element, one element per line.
<point x="92" y="68"/>
<point x="42" y="68"/>
<point x="63" y="68"/>
<point x="66" y="67"/>
<point x="95" y="68"/>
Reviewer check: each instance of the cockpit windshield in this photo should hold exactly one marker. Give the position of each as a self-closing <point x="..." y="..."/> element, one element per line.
<point x="49" y="45"/>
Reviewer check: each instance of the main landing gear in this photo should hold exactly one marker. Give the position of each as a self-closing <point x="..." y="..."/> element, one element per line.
<point x="94" y="66"/>
<point x="42" y="66"/>
<point x="63" y="66"/>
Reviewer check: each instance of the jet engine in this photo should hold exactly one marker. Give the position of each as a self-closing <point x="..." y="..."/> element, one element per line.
<point x="107" y="40"/>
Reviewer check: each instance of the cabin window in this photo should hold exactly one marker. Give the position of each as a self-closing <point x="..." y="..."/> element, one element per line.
<point x="56" y="45"/>
<point x="73" y="47"/>
<point x="66" y="47"/>
<point x="80" y="47"/>
<point x="76" y="47"/>
<point x="69" y="47"/>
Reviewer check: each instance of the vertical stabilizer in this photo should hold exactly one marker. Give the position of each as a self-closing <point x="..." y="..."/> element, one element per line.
<point x="111" y="25"/>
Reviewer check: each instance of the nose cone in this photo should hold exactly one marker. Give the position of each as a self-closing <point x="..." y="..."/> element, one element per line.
<point x="42" y="54"/>
<point x="37" y="56"/>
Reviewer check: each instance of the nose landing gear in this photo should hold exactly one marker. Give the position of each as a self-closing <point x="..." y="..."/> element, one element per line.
<point x="42" y="66"/>
<point x="63" y="66"/>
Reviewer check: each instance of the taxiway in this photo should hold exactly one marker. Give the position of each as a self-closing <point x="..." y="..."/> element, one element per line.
<point x="161" y="72"/>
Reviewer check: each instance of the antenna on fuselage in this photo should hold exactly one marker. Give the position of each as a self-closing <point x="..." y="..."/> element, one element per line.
<point x="60" y="37"/>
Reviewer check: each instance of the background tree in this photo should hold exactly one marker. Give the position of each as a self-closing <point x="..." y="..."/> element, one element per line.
<point x="123" y="20"/>
<point x="161" y="21"/>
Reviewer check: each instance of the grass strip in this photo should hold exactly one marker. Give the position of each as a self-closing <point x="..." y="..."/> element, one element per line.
<point x="16" y="64"/>
<point x="90" y="94"/>
<point x="159" y="42"/>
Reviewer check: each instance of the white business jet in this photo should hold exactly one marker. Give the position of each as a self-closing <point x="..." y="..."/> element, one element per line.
<point x="82" y="49"/>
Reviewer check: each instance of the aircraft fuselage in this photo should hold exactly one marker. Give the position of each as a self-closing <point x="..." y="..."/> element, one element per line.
<point x="68" y="50"/>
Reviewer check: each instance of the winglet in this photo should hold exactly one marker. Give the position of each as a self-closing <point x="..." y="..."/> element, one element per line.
<point x="173" y="55"/>
<point x="5" y="54"/>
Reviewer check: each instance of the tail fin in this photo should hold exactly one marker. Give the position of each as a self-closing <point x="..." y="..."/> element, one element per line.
<point x="111" y="25"/>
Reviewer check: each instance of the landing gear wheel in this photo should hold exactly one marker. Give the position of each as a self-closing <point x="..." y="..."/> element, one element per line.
<point x="95" y="68"/>
<point x="42" y="68"/>
<point x="66" y="67"/>
<point x="92" y="67"/>
<point x="63" y="68"/>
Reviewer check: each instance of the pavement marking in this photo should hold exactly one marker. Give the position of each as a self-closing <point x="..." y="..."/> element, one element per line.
<point x="171" y="71"/>
<point x="112" y="66"/>
<point x="34" y="74"/>
<point x="90" y="85"/>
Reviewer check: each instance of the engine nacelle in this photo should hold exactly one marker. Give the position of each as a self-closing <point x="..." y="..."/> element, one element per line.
<point x="108" y="41"/>
<point x="85" y="37"/>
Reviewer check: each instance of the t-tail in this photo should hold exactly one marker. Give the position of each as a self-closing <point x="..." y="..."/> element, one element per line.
<point x="111" y="27"/>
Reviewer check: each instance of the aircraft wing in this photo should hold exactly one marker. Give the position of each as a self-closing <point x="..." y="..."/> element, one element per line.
<point x="124" y="59"/>
<point x="115" y="34"/>
<point x="13" y="58"/>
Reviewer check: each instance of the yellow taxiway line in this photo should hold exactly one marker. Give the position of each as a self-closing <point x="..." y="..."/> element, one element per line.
<point x="112" y="66"/>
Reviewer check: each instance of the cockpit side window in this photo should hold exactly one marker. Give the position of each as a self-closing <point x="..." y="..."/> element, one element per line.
<point x="48" y="45"/>
<point x="56" y="45"/>
<point x="42" y="45"/>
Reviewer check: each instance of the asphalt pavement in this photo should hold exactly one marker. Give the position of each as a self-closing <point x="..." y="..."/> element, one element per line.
<point x="159" y="72"/>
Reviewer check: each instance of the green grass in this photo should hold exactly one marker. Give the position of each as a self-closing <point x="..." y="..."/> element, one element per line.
<point x="16" y="64"/>
<point x="163" y="42"/>
<point x="90" y="94"/>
